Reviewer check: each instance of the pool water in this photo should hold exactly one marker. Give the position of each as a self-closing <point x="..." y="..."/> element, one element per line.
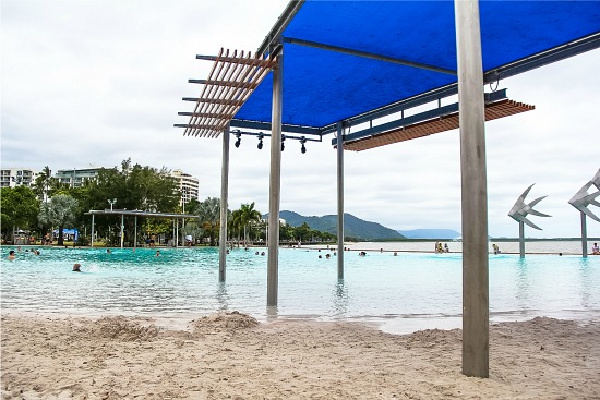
<point x="401" y="293"/>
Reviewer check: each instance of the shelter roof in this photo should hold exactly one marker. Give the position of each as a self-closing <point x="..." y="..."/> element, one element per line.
<point x="352" y="60"/>
<point x="139" y="213"/>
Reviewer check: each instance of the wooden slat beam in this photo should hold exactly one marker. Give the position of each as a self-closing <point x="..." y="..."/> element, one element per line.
<point x="265" y="63"/>
<point x="232" y="80"/>
<point x="245" y="85"/>
<point x="495" y="110"/>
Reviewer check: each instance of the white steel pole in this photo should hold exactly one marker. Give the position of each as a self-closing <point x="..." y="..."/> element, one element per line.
<point x="340" y="202"/>
<point x="274" y="184"/>
<point x="521" y="239"/>
<point x="583" y="233"/>
<point x="223" y="207"/>
<point x="122" y="217"/>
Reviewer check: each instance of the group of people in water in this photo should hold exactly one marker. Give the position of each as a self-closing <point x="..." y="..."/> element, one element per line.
<point x="12" y="254"/>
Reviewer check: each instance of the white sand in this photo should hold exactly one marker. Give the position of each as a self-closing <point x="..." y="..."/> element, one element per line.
<point x="233" y="357"/>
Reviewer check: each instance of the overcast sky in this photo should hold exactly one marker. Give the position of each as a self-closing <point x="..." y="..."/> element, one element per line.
<point x="90" y="83"/>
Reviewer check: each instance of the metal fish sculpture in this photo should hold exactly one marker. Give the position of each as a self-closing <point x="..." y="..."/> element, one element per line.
<point x="583" y="199"/>
<point x="520" y="210"/>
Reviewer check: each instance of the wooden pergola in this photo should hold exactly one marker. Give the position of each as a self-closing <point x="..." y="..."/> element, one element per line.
<point x="138" y="213"/>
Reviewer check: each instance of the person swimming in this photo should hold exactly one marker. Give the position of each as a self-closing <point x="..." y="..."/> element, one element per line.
<point x="77" y="267"/>
<point x="11" y="255"/>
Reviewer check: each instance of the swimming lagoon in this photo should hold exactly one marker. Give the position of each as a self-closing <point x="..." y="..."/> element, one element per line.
<point x="399" y="293"/>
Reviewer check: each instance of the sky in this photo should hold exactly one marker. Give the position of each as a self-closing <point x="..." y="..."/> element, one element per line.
<point x="89" y="83"/>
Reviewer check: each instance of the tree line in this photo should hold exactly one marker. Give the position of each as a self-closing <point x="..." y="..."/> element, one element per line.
<point x="49" y="204"/>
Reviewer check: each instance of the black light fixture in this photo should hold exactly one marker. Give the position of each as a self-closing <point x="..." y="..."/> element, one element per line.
<point x="282" y="142"/>
<point x="302" y="148"/>
<point x="260" y="142"/>
<point x="239" y="139"/>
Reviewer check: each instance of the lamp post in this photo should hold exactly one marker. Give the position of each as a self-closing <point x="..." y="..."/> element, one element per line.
<point x="113" y="202"/>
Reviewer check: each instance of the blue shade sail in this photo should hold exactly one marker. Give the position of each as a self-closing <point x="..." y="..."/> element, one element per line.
<point x="322" y="86"/>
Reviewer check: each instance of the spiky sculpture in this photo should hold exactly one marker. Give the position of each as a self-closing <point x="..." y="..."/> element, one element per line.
<point x="520" y="210"/>
<point x="583" y="199"/>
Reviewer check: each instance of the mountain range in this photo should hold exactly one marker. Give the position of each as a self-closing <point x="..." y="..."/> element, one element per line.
<point x="357" y="228"/>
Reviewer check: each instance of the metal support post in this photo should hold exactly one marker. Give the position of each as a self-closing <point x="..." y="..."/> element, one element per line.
<point x="223" y="206"/>
<point x="274" y="184"/>
<point x="93" y="216"/>
<point x="521" y="239"/>
<point x="340" y="204"/>
<point x="583" y="233"/>
<point x="122" y="217"/>
<point x="134" y="231"/>
<point x="474" y="202"/>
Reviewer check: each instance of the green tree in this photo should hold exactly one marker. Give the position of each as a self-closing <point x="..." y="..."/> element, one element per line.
<point x="248" y="216"/>
<point x="209" y="212"/>
<point x="234" y="224"/>
<point x="303" y="232"/>
<point x="19" y="208"/>
<point x="135" y="188"/>
<point x="43" y="183"/>
<point x="60" y="211"/>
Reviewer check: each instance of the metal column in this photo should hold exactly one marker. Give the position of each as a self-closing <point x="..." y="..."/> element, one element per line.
<point x="182" y="232"/>
<point x="134" y="231"/>
<point x="340" y="204"/>
<point x="122" y="216"/>
<point x="274" y="184"/>
<point x="521" y="239"/>
<point x="223" y="206"/>
<point x="474" y="203"/>
<point x="93" y="216"/>
<point x="583" y="233"/>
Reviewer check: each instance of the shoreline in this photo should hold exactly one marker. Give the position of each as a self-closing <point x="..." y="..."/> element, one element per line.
<point x="233" y="356"/>
<point x="306" y="247"/>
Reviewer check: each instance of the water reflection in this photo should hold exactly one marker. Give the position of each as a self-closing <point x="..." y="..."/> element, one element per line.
<point x="522" y="284"/>
<point x="340" y="300"/>
<point x="585" y="281"/>
<point x="222" y="296"/>
<point x="272" y="313"/>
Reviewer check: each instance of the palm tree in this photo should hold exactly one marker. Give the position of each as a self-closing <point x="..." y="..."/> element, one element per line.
<point x="210" y="212"/>
<point x="42" y="184"/>
<point x="249" y="215"/>
<point x="234" y="224"/>
<point x="60" y="211"/>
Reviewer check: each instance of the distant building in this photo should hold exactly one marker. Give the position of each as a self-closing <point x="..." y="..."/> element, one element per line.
<point x="76" y="177"/>
<point x="188" y="185"/>
<point x="11" y="177"/>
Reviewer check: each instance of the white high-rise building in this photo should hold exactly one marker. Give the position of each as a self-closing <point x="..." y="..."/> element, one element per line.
<point x="11" y="177"/>
<point x="76" y="177"/>
<point x="188" y="185"/>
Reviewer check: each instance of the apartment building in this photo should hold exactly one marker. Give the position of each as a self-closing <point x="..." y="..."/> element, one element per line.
<point x="188" y="185"/>
<point x="76" y="177"/>
<point x="11" y="177"/>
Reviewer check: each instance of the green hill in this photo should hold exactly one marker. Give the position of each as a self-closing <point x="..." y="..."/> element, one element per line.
<point x="354" y="227"/>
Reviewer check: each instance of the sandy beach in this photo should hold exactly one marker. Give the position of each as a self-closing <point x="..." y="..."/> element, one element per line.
<point x="231" y="356"/>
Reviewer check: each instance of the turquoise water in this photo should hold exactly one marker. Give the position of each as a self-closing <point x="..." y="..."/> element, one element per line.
<point x="401" y="293"/>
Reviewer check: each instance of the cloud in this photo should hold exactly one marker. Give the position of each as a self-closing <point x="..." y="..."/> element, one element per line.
<point x="97" y="82"/>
